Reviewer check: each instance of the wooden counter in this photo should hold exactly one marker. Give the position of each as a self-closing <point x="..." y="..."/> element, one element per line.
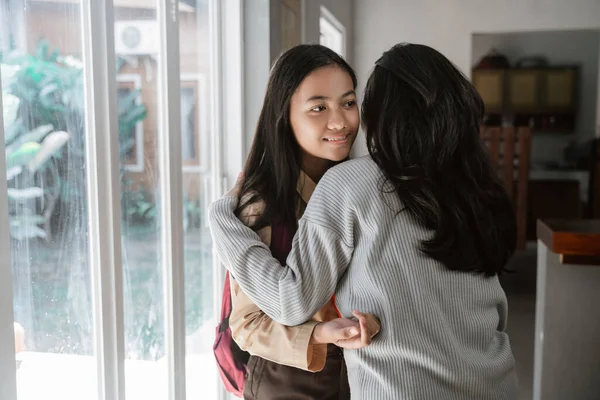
<point x="567" y="326"/>
<point x="576" y="241"/>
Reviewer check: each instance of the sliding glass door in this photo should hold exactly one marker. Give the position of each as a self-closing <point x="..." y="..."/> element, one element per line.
<point x="110" y="127"/>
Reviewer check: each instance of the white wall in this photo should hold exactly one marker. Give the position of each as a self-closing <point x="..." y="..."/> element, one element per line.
<point x="343" y="10"/>
<point x="560" y="49"/>
<point x="448" y="25"/>
<point x="257" y="63"/>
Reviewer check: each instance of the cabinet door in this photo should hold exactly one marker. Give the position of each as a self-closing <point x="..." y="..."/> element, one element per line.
<point x="490" y="85"/>
<point x="559" y="85"/>
<point x="524" y="88"/>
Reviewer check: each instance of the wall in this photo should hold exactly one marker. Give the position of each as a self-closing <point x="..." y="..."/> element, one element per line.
<point x="448" y="25"/>
<point x="343" y="10"/>
<point x="558" y="47"/>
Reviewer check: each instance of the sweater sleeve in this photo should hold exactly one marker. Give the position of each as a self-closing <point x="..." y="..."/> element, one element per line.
<point x="293" y="293"/>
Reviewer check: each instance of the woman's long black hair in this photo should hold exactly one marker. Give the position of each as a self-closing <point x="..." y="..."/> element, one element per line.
<point x="422" y="119"/>
<point x="273" y="166"/>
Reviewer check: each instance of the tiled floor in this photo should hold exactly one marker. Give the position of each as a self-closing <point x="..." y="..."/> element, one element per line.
<point x="520" y="290"/>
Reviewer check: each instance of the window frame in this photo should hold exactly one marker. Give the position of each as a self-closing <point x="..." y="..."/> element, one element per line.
<point x="334" y="26"/>
<point x="8" y="372"/>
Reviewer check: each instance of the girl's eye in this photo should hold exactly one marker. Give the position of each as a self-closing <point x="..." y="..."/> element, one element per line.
<point x="351" y="103"/>
<point x="318" y="108"/>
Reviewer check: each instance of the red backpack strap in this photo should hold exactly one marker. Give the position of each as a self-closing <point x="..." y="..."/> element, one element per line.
<point x="231" y="360"/>
<point x="226" y="307"/>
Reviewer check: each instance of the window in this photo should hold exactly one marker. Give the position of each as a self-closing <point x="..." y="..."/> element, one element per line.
<point x="195" y="143"/>
<point x="189" y="124"/>
<point x="100" y="241"/>
<point x="333" y="33"/>
<point x="45" y="144"/>
<point x="131" y="132"/>
<point x="194" y="121"/>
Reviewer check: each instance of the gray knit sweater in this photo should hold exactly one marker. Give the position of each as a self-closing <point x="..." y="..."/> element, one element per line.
<point x="443" y="332"/>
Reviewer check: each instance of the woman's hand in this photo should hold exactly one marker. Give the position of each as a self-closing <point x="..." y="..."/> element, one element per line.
<point x="347" y="333"/>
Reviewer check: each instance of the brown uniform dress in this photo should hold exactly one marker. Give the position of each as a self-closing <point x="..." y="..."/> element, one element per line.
<point x="271" y="381"/>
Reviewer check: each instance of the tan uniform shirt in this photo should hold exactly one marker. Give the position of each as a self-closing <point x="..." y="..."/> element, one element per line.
<point x="258" y="334"/>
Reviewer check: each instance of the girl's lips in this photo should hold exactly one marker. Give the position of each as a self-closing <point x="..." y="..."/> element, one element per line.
<point x="343" y="139"/>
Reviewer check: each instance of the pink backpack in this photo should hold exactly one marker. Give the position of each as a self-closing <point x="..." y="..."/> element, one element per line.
<point x="231" y="360"/>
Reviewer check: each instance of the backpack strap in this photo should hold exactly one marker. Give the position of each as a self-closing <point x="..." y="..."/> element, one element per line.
<point x="226" y="307"/>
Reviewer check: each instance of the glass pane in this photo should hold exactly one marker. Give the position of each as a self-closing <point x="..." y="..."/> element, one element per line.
<point x="200" y="320"/>
<point x="137" y="44"/>
<point x="43" y="112"/>
<point x="131" y="134"/>
<point x="189" y="125"/>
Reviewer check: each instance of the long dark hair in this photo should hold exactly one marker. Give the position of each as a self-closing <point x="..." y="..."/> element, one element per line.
<point x="422" y="119"/>
<point x="273" y="166"/>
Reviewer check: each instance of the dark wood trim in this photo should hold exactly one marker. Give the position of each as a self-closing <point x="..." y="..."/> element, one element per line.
<point x="595" y="181"/>
<point x="579" y="260"/>
<point x="571" y="237"/>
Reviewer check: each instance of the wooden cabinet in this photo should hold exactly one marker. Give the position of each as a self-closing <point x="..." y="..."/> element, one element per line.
<point x="559" y="85"/>
<point x="490" y="84"/>
<point x="524" y="91"/>
<point x="543" y="98"/>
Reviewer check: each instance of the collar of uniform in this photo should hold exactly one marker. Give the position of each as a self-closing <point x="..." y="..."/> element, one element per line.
<point x="305" y="186"/>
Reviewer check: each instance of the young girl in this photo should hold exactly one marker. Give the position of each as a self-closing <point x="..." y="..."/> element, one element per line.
<point x="308" y="123"/>
<point x="416" y="233"/>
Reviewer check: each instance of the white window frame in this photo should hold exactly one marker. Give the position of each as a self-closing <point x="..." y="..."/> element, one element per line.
<point x="102" y="166"/>
<point x="104" y="208"/>
<point x="202" y="124"/>
<point x="8" y="372"/>
<point x="329" y="26"/>
<point x="136" y="80"/>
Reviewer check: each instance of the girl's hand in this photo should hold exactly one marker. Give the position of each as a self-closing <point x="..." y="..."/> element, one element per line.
<point x="348" y="333"/>
<point x="335" y="330"/>
<point x="369" y="328"/>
